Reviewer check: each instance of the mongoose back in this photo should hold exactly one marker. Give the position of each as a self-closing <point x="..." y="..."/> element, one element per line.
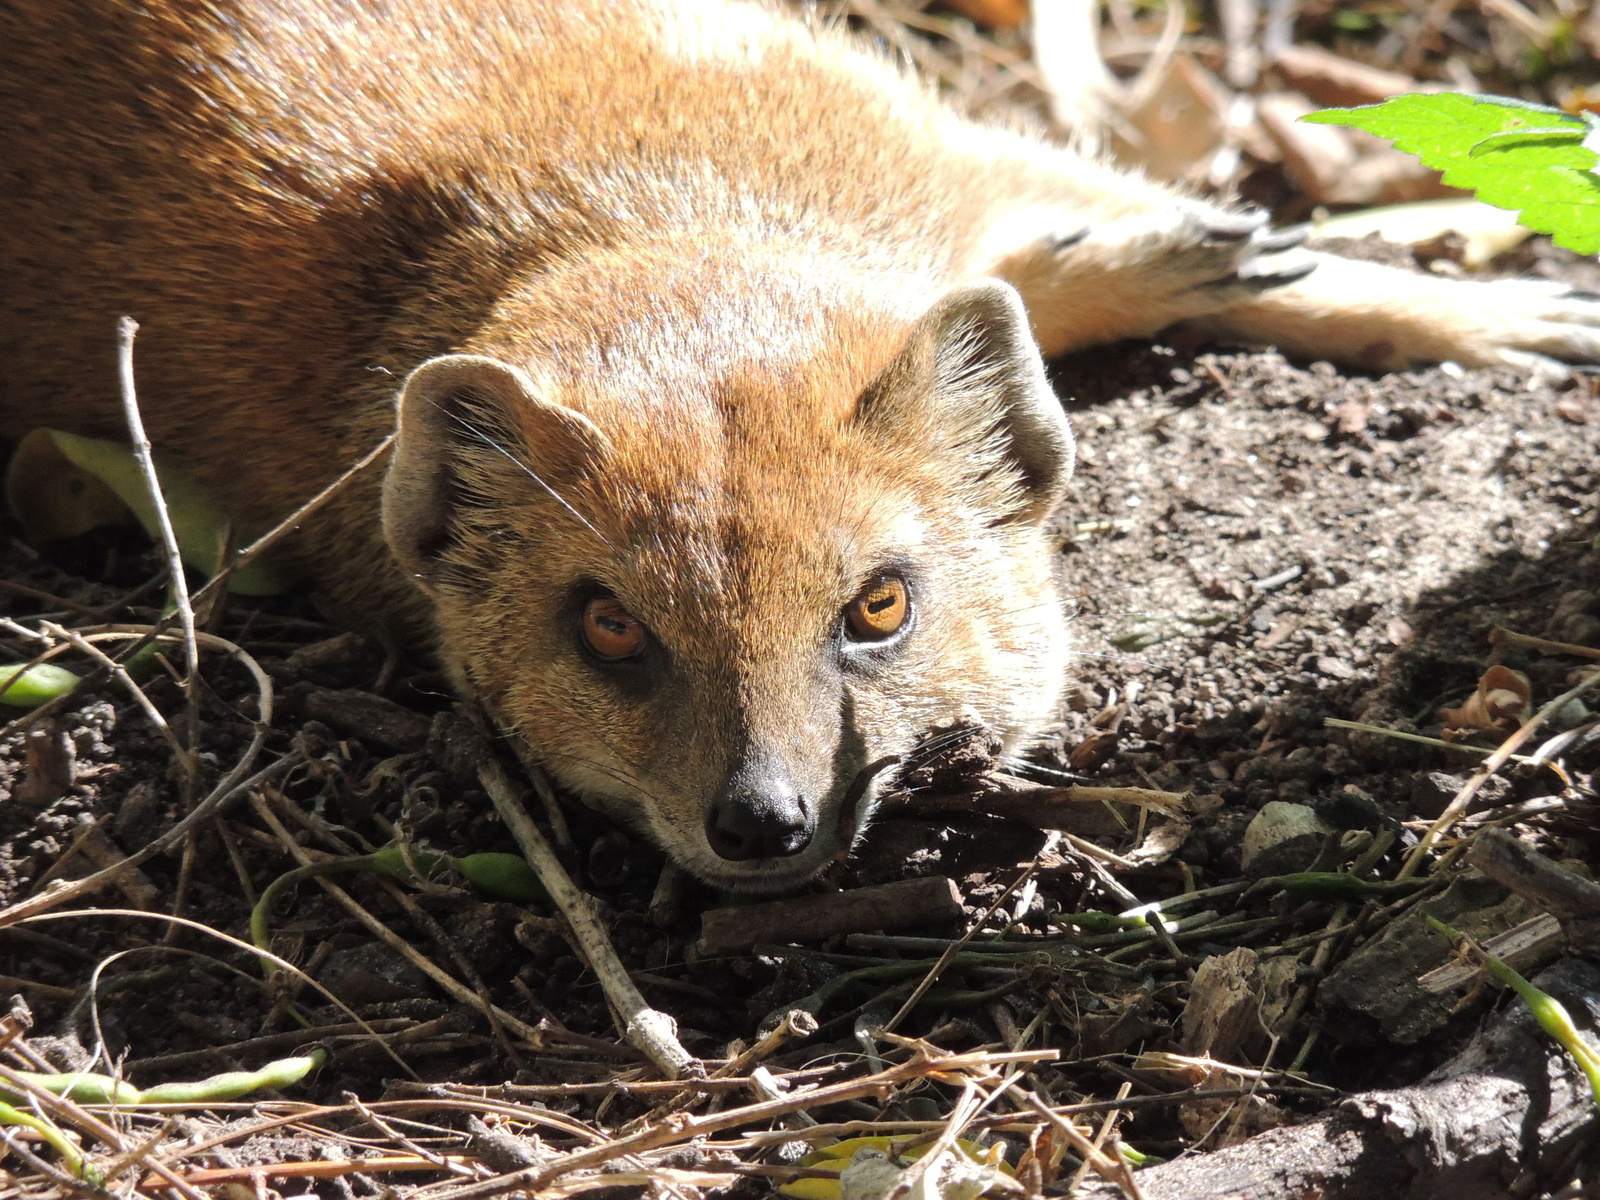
<point x="725" y="450"/>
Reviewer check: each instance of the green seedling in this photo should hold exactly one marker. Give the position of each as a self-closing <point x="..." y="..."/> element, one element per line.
<point x="1551" y="1014"/>
<point x="1104" y="922"/>
<point x="1538" y="162"/>
<point x="85" y="1088"/>
<point x="503" y="876"/>
<point x="81" y="1167"/>
<point x="22" y="686"/>
<point x="1336" y="886"/>
<point x="62" y="485"/>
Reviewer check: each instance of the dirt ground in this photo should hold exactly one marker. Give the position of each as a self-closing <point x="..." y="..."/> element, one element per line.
<point x="1252" y="546"/>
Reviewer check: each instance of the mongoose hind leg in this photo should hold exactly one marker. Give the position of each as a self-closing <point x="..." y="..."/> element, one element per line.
<point x="1388" y="318"/>
<point x="1098" y="254"/>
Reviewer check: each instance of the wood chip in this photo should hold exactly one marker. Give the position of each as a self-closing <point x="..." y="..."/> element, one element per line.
<point x="928" y="903"/>
<point x="382" y="722"/>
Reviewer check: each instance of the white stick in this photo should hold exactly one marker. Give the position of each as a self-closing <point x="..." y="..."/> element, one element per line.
<point x="127" y="327"/>
<point x="650" y="1030"/>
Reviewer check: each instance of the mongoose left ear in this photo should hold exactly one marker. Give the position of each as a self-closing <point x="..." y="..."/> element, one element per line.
<point x="470" y="430"/>
<point x="970" y="382"/>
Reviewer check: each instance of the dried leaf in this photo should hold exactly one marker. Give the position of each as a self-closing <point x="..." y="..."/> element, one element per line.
<point x="1502" y="702"/>
<point x="997" y="14"/>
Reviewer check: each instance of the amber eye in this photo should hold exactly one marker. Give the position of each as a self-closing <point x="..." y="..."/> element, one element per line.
<point x="610" y="630"/>
<point x="879" y="611"/>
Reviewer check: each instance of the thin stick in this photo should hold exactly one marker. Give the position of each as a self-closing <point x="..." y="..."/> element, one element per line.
<point x="678" y="1129"/>
<point x="460" y="993"/>
<point x="1420" y="739"/>
<point x="68" y="1109"/>
<point x="51" y="650"/>
<point x="127" y="328"/>
<point x="652" y="1031"/>
<point x="220" y="795"/>
<point x="84" y="646"/>
<point x="1112" y="1169"/>
<point x="256" y="548"/>
<point x="796" y="1023"/>
<point x="228" y="939"/>
<point x="1502" y="637"/>
<point x="50" y="598"/>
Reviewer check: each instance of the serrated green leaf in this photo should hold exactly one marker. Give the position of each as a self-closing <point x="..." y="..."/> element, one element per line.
<point x="1515" y="155"/>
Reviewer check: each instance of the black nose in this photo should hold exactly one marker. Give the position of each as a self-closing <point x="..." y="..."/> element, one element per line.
<point x="759" y="814"/>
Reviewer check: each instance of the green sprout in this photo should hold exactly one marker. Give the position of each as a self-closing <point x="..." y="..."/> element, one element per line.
<point x="1551" y="1014"/>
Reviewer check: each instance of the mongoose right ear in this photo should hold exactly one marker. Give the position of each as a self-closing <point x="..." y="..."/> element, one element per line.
<point x="970" y="385"/>
<point x="470" y="430"/>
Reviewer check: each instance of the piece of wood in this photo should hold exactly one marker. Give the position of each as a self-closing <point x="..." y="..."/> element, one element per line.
<point x="1222" y="1013"/>
<point x="1565" y="895"/>
<point x="1335" y="81"/>
<point x="1512" y="1106"/>
<point x="385" y="724"/>
<point x="889" y="907"/>
<point x="51" y="767"/>
<point x="1529" y="942"/>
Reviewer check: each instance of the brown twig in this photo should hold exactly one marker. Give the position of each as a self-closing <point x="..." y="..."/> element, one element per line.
<point x="1112" y="1169"/>
<point x="678" y="1129"/>
<point x="84" y="646"/>
<point x="77" y="1114"/>
<point x="230" y="787"/>
<point x="1503" y="638"/>
<point x="461" y="993"/>
<point x="290" y="523"/>
<point x="256" y="548"/>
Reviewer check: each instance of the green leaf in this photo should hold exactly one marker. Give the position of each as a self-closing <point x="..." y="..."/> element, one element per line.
<point x="35" y="685"/>
<point x="1524" y="157"/>
<point x="61" y="485"/>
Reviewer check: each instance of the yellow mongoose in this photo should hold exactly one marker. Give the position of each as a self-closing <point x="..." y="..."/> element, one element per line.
<point x="725" y="450"/>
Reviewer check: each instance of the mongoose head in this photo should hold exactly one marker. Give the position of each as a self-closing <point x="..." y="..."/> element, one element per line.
<point x="720" y="569"/>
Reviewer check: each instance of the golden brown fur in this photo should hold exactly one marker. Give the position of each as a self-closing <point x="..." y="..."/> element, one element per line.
<point x="695" y="255"/>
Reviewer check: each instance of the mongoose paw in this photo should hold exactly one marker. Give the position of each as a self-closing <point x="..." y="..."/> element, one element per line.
<point x="1189" y="259"/>
<point x="1382" y="317"/>
<point x="1534" y="324"/>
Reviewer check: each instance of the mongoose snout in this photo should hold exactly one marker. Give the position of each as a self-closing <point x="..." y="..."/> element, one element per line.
<point x="759" y="814"/>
